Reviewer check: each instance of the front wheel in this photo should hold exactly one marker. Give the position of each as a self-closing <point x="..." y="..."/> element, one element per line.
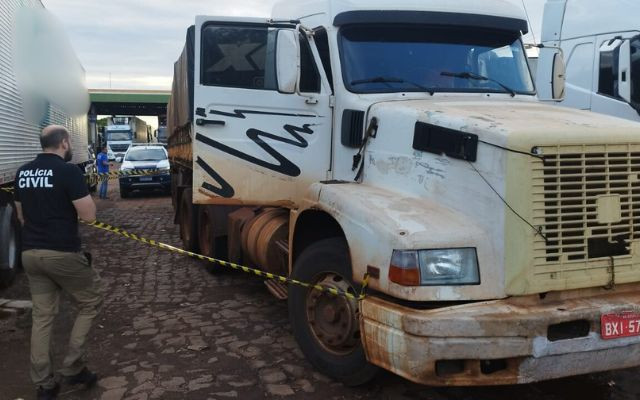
<point x="325" y="326"/>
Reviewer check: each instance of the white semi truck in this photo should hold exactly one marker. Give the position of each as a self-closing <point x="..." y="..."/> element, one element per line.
<point x="601" y="49"/>
<point x="19" y="132"/>
<point x="404" y="140"/>
<point x="161" y="134"/>
<point x="121" y="132"/>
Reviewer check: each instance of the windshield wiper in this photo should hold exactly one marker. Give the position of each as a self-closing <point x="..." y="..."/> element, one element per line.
<point x="478" y="77"/>
<point x="388" y="79"/>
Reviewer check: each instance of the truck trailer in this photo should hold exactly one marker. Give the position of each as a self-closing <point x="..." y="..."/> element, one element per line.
<point x="19" y="137"/>
<point x="404" y="141"/>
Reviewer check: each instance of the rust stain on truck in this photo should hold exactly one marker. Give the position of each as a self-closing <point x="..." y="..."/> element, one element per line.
<point x="516" y="340"/>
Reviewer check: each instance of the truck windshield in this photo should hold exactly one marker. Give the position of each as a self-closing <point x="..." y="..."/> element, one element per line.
<point x="118" y="135"/>
<point x="392" y="58"/>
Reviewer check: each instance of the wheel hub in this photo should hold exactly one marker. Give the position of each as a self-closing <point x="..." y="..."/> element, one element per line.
<point x="334" y="319"/>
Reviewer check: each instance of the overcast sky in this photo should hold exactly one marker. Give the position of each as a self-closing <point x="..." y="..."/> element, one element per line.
<point x="134" y="43"/>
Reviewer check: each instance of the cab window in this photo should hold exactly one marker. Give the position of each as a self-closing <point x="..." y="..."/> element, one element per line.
<point x="635" y="70"/>
<point x="238" y="56"/>
<point x="608" y="74"/>
<point x="309" y="76"/>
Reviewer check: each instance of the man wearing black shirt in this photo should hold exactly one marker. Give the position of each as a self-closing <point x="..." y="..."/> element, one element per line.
<point x="50" y="196"/>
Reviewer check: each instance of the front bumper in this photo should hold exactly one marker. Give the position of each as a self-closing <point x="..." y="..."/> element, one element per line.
<point x="150" y="182"/>
<point x="500" y="342"/>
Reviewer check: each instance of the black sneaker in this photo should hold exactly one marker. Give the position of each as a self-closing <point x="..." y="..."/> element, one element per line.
<point x="84" y="377"/>
<point x="48" y="394"/>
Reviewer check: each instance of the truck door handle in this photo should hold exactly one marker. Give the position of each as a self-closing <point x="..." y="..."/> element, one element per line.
<point x="203" y="122"/>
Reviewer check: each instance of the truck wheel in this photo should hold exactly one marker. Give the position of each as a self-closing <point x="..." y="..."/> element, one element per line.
<point x="9" y="246"/>
<point x="124" y="193"/>
<point x="327" y="327"/>
<point x="206" y="240"/>
<point x="174" y="190"/>
<point x="188" y="221"/>
<point x="208" y="244"/>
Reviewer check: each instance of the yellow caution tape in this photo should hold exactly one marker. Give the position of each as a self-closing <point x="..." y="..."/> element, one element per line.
<point x="267" y="275"/>
<point x="127" y="172"/>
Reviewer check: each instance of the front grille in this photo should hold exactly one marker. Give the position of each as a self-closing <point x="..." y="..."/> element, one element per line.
<point x="119" y="147"/>
<point x="586" y="203"/>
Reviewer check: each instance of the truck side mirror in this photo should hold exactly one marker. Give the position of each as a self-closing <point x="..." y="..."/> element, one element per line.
<point x="624" y="71"/>
<point x="551" y="74"/>
<point x="558" y="77"/>
<point x="287" y="60"/>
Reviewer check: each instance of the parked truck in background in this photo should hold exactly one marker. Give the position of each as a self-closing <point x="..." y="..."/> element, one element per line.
<point x="162" y="134"/>
<point x="19" y="137"/>
<point x="601" y="49"/>
<point x="121" y="132"/>
<point x="404" y="140"/>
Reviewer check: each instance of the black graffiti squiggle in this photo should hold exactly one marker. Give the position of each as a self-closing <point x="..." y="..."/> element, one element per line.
<point x="225" y="189"/>
<point x="242" y="114"/>
<point x="283" y="165"/>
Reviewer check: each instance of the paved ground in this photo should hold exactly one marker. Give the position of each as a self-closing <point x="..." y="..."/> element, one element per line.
<point x="172" y="330"/>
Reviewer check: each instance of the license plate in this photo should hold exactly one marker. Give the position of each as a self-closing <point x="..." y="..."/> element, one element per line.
<point x="620" y="325"/>
<point x="146" y="178"/>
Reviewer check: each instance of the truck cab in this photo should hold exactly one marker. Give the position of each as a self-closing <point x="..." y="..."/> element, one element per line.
<point x="601" y="49"/>
<point x="122" y="132"/>
<point x="119" y="139"/>
<point x="402" y="144"/>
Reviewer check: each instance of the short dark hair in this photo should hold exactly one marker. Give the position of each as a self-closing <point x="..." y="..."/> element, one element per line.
<point x="52" y="137"/>
<point x="98" y="149"/>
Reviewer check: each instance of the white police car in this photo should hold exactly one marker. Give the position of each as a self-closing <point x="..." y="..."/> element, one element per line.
<point x="145" y="158"/>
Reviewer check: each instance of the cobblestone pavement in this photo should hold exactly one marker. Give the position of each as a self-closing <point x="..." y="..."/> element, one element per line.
<point x="170" y="329"/>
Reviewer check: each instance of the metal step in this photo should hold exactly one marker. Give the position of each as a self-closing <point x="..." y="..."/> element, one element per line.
<point x="277" y="289"/>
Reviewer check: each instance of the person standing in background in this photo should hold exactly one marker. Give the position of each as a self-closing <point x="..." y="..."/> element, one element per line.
<point x="102" y="162"/>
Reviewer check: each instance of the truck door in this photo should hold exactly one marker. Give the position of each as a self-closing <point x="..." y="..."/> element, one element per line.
<point x="253" y="144"/>
<point x="612" y="74"/>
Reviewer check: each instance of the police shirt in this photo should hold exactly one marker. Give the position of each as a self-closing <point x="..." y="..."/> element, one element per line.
<point x="46" y="188"/>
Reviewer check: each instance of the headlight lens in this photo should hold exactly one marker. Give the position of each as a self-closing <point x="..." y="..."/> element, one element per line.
<point x="449" y="267"/>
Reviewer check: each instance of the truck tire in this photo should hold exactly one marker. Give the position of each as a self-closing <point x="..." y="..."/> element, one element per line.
<point x="210" y="242"/>
<point x="206" y="237"/>
<point x="188" y="221"/>
<point x="174" y="190"/>
<point x="327" y="327"/>
<point x="9" y="246"/>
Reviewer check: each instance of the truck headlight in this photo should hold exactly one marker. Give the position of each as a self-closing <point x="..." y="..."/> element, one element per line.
<point x="449" y="267"/>
<point x="441" y="267"/>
